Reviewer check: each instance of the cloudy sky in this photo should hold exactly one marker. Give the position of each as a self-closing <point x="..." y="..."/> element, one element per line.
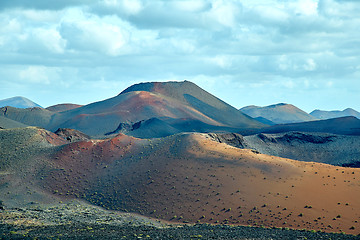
<point x="260" y="52"/>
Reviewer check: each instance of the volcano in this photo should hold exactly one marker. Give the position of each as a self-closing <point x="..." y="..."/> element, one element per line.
<point x="174" y="103"/>
<point x="279" y="113"/>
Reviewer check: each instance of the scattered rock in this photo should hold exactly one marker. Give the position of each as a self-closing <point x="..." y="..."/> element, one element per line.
<point x="266" y="138"/>
<point x="72" y="135"/>
<point x="232" y="139"/>
<point x="302" y="137"/>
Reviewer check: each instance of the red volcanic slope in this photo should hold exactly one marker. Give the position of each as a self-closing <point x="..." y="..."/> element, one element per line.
<point x="167" y="100"/>
<point x="177" y="100"/>
<point x="191" y="95"/>
<point x="103" y="117"/>
<point x="63" y="107"/>
<point x="191" y="178"/>
<point x="182" y="178"/>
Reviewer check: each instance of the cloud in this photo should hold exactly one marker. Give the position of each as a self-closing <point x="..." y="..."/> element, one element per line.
<point x="299" y="45"/>
<point x="41" y="4"/>
<point x="121" y="8"/>
<point x="90" y="33"/>
<point x="310" y="65"/>
<point x="38" y="74"/>
<point x="339" y="9"/>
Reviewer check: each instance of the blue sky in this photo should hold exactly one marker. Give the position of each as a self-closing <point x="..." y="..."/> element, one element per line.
<point x="257" y="52"/>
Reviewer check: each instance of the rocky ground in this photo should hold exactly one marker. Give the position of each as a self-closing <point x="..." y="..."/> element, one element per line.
<point x="78" y="220"/>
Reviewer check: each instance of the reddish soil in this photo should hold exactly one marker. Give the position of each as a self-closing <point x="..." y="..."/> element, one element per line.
<point x="190" y="178"/>
<point x="63" y="107"/>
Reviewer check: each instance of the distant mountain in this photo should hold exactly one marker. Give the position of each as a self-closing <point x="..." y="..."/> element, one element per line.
<point x="18" y="102"/>
<point x="310" y="147"/>
<point x="279" y="113"/>
<point x="335" y="114"/>
<point x="63" y="107"/>
<point x="30" y="116"/>
<point x="181" y="105"/>
<point x="343" y="125"/>
<point x="265" y="121"/>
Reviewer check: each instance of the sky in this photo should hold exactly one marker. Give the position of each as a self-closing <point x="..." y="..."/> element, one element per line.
<point x="258" y="52"/>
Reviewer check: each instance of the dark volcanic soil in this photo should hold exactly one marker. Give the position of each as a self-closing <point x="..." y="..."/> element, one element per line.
<point x="78" y="220"/>
<point x="185" y="178"/>
<point x="200" y="231"/>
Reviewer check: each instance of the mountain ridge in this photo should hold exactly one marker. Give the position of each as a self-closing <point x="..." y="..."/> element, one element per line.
<point x="280" y="113"/>
<point x="322" y="114"/>
<point x="18" y="102"/>
<point x="140" y="102"/>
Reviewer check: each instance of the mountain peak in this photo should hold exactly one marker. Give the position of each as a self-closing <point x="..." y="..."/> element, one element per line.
<point x="321" y="114"/>
<point x="281" y="104"/>
<point x="279" y="113"/>
<point x="157" y="86"/>
<point x="18" y="102"/>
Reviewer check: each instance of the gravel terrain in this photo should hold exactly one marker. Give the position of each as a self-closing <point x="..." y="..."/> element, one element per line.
<point x="109" y="231"/>
<point x="310" y="147"/>
<point x="78" y="220"/>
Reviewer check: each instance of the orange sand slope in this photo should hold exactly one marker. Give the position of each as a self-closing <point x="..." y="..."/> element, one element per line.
<point x="181" y="178"/>
<point x="190" y="178"/>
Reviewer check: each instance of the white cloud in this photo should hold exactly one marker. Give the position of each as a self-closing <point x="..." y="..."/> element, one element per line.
<point x="38" y="74"/>
<point x="289" y="45"/>
<point x="223" y="61"/>
<point x="183" y="45"/>
<point x="191" y="5"/>
<point x="83" y="32"/>
<point x="329" y="84"/>
<point x="305" y="7"/>
<point x="225" y="12"/>
<point x="51" y="39"/>
<point x="127" y="7"/>
<point x="310" y="65"/>
<point x="339" y="9"/>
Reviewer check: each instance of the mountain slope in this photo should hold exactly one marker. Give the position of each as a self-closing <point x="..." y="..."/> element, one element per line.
<point x="30" y="116"/>
<point x="182" y="178"/>
<point x="63" y="107"/>
<point x="279" y="113"/>
<point x="343" y="125"/>
<point x="18" y="102"/>
<point x="335" y="114"/>
<point x="180" y="103"/>
<point x="192" y="95"/>
<point x="311" y="147"/>
<point x="6" y="123"/>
